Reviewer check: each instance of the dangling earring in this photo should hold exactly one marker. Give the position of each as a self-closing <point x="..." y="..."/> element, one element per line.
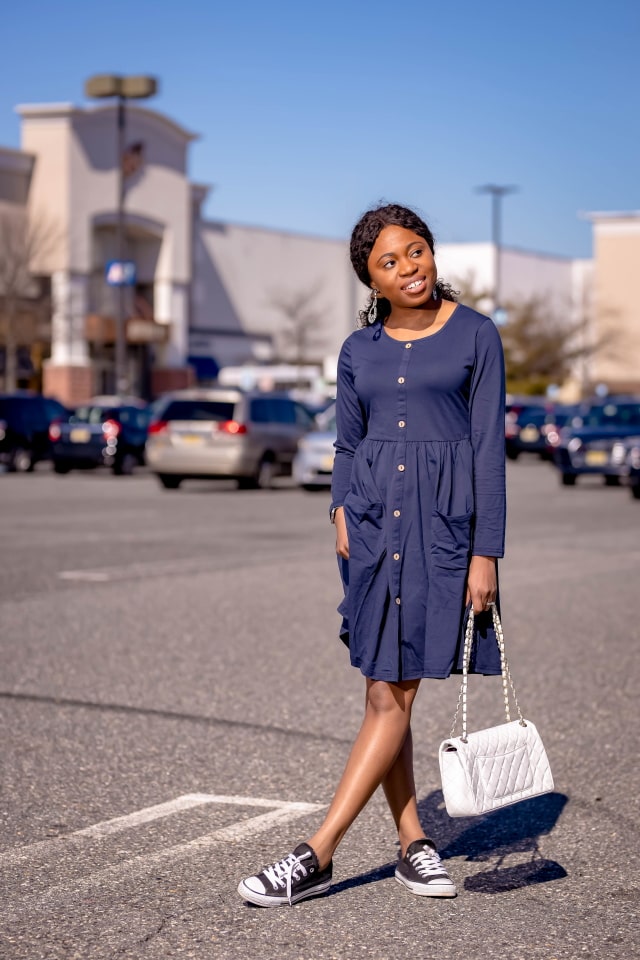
<point x="372" y="315"/>
<point x="434" y="292"/>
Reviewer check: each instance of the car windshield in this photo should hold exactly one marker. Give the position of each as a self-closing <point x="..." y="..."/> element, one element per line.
<point x="133" y="416"/>
<point x="218" y="410"/>
<point x="532" y="415"/>
<point x="562" y="415"/>
<point x="92" y="415"/>
<point x="612" y="414"/>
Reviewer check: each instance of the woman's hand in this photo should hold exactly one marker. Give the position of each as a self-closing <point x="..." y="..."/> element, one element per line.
<point x="482" y="583"/>
<point x="342" y="539"/>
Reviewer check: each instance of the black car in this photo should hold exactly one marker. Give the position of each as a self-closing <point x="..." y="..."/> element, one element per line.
<point x="25" y="419"/>
<point x="594" y="442"/>
<point x="563" y="415"/>
<point x="524" y="429"/>
<point x="101" y="433"/>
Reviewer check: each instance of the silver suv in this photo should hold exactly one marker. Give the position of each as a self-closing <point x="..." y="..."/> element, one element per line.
<point x="224" y="432"/>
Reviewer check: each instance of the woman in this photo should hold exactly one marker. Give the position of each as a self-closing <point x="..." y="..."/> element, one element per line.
<point x="419" y="509"/>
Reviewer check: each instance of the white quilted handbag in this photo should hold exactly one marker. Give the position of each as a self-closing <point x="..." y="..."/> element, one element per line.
<point x="491" y="768"/>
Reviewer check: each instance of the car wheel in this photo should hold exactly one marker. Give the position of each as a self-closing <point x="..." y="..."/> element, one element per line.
<point x="611" y="481"/>
<point x="59" y="466"/>
<point x="125" y="466"/>
<point x="266" y="473"/>
<point x="512" y="454"/>
<point x="21" y="462"/>
<point x="170" y="481"/>
<point x="568" y="479"/>
<point x="635" y="491"/>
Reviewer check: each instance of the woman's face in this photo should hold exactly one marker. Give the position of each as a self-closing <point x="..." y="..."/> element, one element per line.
<point x="402" y="268"/>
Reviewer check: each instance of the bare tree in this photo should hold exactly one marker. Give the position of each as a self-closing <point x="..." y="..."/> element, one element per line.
<point x="23" y="241"/>
<point x="469" y="293"/>
<point x="542" y="348"/>
<point x="301" y="334"/>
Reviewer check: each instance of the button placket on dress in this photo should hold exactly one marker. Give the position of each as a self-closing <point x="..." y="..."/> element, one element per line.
<point x="397" y="485"/>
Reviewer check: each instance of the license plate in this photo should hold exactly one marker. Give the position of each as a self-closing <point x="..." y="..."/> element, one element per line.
<point x="191" y="438"/>
<point x="529" y="434"/>
<point x="596" y="458"/>
<point x="327" y="462"/>
<point x="78" y="435"/>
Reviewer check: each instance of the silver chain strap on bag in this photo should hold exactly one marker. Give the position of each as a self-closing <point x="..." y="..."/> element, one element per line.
<point x="498" y="766"/>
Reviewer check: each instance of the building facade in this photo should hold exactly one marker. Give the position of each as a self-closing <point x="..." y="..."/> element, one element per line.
<point x="615" y="362"/>
<point x="205" y="294"/>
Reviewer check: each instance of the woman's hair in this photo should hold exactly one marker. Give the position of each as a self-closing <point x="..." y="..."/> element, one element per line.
<point x="364" y="235"/>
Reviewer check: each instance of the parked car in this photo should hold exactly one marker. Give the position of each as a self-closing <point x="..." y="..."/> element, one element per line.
<point x="632" y="461"/>
<point x="594" y="442"/>
<point x="561" y="416"/>
<point x="107" y="431"/>
<point x="313" y="463"/>
<point x="523" y="431"/>
<point x="24" y="428"/>
<point x="224" y="432"/>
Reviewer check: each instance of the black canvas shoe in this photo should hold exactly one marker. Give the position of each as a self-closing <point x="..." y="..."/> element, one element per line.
<point x="422" y="872"/>
<point x="293" y="878"/>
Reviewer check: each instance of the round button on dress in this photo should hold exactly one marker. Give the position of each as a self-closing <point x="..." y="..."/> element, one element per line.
<point x="431" y="491"/>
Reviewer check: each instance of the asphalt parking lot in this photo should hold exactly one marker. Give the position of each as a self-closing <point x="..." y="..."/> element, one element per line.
<point x="176" y="708"/>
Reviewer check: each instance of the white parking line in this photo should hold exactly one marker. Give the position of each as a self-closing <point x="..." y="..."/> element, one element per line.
<point x="89" y="576"/>
<point x="158" y="811"/>
<point x="149" y="568"/>
<point x="185" y="802"/>
<point x="280" y="812"/>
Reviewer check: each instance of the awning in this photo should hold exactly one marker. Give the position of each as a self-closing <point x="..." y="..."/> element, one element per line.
<point x="206" y="368"/>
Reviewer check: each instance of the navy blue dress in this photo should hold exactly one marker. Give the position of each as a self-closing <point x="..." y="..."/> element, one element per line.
<point x="420" y="472"/>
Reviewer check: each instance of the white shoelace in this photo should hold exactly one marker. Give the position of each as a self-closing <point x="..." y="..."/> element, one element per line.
<point x="427" y="863"/>
<point x="282" y="873"/>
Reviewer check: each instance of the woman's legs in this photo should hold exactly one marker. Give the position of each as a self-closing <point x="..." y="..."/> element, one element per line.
<point x="400" y="790"/>
<point x="374" y="757"/>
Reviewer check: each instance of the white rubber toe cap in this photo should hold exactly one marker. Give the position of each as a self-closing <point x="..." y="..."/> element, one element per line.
<point x="255" y="885"/>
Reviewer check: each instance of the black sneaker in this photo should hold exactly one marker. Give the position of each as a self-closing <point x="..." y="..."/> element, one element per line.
<point x="422" y="872"/>
<point x="293" y="878"/>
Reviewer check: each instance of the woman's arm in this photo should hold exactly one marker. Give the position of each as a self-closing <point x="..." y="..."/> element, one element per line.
<point x="487" y="440"/>
<point x="351" y="428"/>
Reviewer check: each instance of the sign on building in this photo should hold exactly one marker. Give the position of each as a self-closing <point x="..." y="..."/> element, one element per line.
<point x="121" y="273"/>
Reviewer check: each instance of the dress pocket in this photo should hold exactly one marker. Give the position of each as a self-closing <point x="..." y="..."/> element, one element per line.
<point x="364" y="521"/>
<point x="367" y="591"/>
<point x="451" y="541"/>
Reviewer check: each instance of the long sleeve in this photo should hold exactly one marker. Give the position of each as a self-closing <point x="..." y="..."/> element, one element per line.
<point x="350" y="424"/>
<point x="486" y="401"/>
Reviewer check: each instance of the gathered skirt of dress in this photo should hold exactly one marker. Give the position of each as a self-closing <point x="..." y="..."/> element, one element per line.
<point x="410" y="534"/>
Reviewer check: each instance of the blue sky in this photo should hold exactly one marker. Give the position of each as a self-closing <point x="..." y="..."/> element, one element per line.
<point x="309" y="113"/>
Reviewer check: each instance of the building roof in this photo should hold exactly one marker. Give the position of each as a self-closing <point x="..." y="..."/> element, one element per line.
<point x="613" y="215"/>
<point x="45" y="111"/>
<point x="16" y="161"/>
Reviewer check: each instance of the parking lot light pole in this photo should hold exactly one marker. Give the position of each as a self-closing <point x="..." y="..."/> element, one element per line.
<point x="123" y="88"/>
<point x="497" y="193"/>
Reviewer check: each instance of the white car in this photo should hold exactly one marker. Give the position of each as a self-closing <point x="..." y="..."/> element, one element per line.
<point x="223" y="432"/>
<point x="313" y="463"/>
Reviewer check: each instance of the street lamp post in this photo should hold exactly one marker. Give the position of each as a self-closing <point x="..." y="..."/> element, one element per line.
<point x="123" y="88"/>
<point x="497" y="193"/>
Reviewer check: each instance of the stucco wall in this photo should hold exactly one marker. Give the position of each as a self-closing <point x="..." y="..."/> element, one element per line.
<point x="616" y="303"/>
<point x="47" y="137"/>
<point x="242" y="273"/>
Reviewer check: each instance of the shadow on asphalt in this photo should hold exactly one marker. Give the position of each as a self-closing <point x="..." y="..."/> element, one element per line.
<point x="493" y="838"/>
<point x="490" y="839"/>
<point x="378" y="873"/>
